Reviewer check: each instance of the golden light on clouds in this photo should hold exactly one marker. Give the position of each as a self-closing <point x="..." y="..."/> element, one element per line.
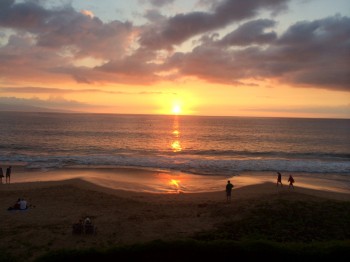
<point x="89" y="62"/>
<point x="87" y="13"/>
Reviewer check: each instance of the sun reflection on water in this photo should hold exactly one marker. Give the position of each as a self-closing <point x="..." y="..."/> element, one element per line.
<point x="175" y="182"/>
<point x="175" y="144"/>
<point x="176" y="133"/>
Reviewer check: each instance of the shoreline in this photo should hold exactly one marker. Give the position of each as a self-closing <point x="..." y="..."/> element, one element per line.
<point x="150" y="180"/>
<point x="242" y="192"/>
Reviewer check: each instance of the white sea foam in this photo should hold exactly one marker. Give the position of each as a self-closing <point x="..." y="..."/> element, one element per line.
<point x="188" y="165"/>
<point x="201" y="145"/>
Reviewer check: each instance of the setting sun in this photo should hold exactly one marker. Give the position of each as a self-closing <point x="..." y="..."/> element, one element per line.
<point x="176" y="109"/>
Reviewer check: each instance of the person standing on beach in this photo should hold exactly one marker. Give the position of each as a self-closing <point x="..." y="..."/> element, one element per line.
<point x="229" y="187"/>
<point x="8" y="174"/>
<point x="279" y="179"/>
<point x="1" y="174"/>
<point x="291" y="181"/>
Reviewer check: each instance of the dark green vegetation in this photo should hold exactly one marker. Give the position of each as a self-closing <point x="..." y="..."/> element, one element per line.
<point x="287" y="221"/>
<point x="191" y="250"/>
<point x="279" y="229"/>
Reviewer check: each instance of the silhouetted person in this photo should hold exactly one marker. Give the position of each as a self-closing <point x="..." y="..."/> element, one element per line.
<point x="291" y="181"/>
<point x="78" y="228"/>
<point x="89" y="228"/>
<point x="8" y="174"/>
<point x="229" y="187"/>
<point x="279" y="179"/>
<point x="1" y="174"/>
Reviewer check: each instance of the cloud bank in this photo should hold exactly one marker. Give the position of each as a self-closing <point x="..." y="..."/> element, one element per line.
<point x="233" y="45"/>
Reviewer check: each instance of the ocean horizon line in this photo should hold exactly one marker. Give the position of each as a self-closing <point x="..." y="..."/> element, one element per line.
<point x="172" y="115"/>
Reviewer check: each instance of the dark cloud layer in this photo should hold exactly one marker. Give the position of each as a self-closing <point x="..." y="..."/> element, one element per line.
<point x="65" y="27"/>
<point x="251" y="33"/>
<point x="61" y="91"/>
<point x="50" y="103"/>
<point x="183" y="26"/>
<point x="46" y="45"/>
<point x="161" y="2"/>
<point x="315" y="54"/>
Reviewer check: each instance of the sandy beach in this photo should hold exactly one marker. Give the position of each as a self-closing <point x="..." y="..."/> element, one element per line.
<point x="134" y="216"/>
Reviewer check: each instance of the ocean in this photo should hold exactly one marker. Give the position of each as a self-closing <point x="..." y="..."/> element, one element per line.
<point x="192" y="144"/>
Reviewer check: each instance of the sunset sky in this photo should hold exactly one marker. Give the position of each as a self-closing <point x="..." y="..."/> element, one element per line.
<point x="199" y="57"/>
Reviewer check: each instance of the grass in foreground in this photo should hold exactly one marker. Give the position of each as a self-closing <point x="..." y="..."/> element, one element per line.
<point x="192" y="250"/>
<point x="286" y="221"/>
<point x="275" y="230"/>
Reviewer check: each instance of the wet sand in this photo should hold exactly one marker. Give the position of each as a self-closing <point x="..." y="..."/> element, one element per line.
<point x="165" y="181"/>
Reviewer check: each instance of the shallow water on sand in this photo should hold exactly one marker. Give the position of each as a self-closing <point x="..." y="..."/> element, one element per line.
<point x="163" y="181"/>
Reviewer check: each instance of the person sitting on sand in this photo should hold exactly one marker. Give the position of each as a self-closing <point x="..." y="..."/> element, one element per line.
<point x="78" y="228"/>
<point x="87" y="221"/>
<point x="89" y="228"/>
<point x="23" y="204"/>
<point x="279" y="179"/>
<point x="229" y="187"/>
<point x="16" y="206"/>
<point x="291" y="181"/>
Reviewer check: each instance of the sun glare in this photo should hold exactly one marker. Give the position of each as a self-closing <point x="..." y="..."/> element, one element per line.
<point x="176" y="109"/>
